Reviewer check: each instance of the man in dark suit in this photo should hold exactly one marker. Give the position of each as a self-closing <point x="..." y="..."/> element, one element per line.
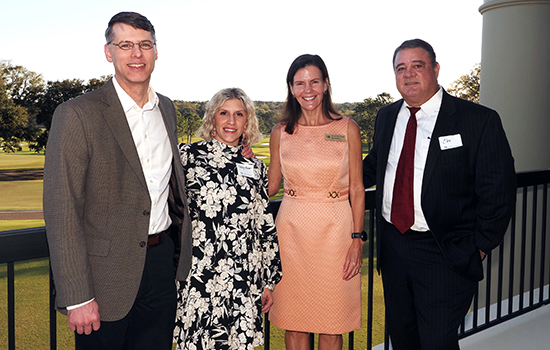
<point x="115" y="202"/>
<point x="445" y="189"/>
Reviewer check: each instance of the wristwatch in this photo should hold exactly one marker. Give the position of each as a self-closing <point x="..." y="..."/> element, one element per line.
<point x="363" y="235"/>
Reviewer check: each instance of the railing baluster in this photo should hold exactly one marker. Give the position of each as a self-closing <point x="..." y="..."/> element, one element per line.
<point x="512" y="261"/>
<point x="370" y="289"/>
<point x="500" y="280"/>
<point x="523" y="248"/>
<point x="487" y="290"/>
<point x="53" y="315"/>
<point x="543" y="244"/>
<point x="533" y="245"/>
<point x="11" y="306"/>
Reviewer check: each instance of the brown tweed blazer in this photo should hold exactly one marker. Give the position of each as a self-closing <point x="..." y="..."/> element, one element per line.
<point x="96" y="203"/>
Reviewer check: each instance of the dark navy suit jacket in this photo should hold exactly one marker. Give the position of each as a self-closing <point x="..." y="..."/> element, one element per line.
<point x="468" y="192"/>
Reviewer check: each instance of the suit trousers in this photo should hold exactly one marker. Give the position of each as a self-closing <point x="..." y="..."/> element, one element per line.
<point x="426" y="301"/>
<point x="150" y="323"/>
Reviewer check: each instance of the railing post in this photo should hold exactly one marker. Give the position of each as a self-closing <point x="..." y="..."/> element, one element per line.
<point x="267" y="331"/>
<point x="370" y="289"/>
<point x="53" y="315"/>
<point x="11" y="306"/>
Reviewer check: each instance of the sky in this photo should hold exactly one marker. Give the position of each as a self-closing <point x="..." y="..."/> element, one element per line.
<point x="207" y="45"/>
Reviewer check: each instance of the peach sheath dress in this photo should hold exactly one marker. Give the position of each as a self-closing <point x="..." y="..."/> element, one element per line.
<point x="314" y="225"/>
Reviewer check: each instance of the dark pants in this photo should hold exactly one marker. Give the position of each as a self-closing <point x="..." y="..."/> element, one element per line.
<point x="425" y="300"/>
<point x="150" y="322"/>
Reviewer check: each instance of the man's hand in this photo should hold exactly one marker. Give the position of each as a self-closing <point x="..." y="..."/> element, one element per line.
<point x="84" y="319"/>
<point x="247" y="152"/>
<point x="483" y="255"/>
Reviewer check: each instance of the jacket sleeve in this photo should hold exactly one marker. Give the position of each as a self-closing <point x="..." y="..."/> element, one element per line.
<point x="63" y="202"/>
<point x="495" y="185"/>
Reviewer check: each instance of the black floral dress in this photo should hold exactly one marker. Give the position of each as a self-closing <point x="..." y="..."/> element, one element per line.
<point x="235" y="249"/>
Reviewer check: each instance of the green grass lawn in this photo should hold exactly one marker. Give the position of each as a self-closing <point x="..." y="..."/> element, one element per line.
<point x="21" y="160"/>
<point x="21" y="195"/>
<point x="7" y="225"/>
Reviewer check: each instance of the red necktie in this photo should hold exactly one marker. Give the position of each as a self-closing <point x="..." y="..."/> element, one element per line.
<point x="402" y="209"/>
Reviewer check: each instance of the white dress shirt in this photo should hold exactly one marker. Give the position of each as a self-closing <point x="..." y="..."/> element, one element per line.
<point x="426" y="118"/>
<point x="155" y="153"/>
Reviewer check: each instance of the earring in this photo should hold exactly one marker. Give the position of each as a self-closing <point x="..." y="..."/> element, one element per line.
<point x="245" y="126"/>
<point x="213" y="132"/>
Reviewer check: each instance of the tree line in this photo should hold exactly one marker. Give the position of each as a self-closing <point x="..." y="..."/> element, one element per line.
<point x="27" y="104"/>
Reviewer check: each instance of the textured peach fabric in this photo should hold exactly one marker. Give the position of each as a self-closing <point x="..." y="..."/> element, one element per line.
<point x="314" y="226"/>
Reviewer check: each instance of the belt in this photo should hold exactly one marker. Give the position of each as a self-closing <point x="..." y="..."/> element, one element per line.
<point x="157" y="238"/>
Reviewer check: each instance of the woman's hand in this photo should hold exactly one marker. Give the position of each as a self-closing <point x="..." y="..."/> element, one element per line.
<point x="267" y="300"/>
<point x="354" y="259"/>
<point x="248" y="152"/>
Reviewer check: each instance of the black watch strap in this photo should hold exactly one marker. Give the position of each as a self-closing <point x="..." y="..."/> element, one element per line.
<point x="362" y="235"/>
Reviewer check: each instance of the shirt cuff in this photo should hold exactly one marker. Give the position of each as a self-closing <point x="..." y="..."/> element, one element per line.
<point x="72" y="307"/>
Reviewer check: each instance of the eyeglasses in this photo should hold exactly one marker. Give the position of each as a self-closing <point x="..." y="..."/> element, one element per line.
<point x="128" y="45"/>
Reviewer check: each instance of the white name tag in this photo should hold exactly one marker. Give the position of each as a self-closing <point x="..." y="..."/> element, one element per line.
<point x="246" y="169"/>
<point x="450" y="141"/>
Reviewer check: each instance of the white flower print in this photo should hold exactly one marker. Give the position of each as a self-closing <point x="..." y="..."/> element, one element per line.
<point x="235" y="250"/>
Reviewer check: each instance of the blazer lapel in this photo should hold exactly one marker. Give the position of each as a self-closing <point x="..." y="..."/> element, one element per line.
<point x="116" y="118"/>
<point x="170" y="125"/>
<point x="445" y="125"/>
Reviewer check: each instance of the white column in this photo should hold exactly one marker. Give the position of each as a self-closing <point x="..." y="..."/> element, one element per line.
<point x="515" y="75"/>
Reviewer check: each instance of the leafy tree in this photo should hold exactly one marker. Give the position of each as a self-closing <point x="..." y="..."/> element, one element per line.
<point x="57" y="92"/>
<point x="14" y="121"/>
<point x="467" y="86"/>
<point x="365" y="114"/>
<point x="188" y="125"/>
<point x="20" y="90"/>
<point x="23" y="87"/>
<point x="268" y="114"/>
<point x="96" y="83"/>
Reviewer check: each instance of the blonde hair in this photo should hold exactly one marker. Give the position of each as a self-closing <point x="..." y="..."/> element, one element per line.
<point x="253" y="134"/>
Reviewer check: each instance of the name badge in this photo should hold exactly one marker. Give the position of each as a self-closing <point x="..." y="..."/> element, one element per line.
<point x="245" y="170"/>
<point x="335" y="137"/>
<point x="450" y="141"/>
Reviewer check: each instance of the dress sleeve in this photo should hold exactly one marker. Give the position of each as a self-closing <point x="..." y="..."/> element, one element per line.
<point x="271" y="260"/>
<point x="184" y="153"/>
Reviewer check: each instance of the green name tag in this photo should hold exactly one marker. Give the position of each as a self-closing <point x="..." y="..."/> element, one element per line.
<point x="334" y="137"/>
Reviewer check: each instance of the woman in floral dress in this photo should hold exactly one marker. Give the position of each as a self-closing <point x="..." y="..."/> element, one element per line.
<point x="236" y="260"/>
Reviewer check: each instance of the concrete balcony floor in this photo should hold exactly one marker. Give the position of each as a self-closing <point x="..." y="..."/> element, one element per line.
<point x="526" y="332"/>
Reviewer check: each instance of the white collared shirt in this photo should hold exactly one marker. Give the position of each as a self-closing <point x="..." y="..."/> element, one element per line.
<point x="155" y="153"/>
<point x="426" y="118"/>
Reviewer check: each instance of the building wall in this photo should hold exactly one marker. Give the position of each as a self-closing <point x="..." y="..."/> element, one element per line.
<point x="515" y="75"/>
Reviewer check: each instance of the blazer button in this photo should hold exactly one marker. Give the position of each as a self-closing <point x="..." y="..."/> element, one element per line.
<point x="142" y="244"/>
<point x="146" y="213"/>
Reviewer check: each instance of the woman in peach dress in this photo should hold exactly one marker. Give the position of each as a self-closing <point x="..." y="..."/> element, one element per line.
<point x="318" y="153"/>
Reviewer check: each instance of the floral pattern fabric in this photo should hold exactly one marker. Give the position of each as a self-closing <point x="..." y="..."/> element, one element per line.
<point x="235" y="249"/>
